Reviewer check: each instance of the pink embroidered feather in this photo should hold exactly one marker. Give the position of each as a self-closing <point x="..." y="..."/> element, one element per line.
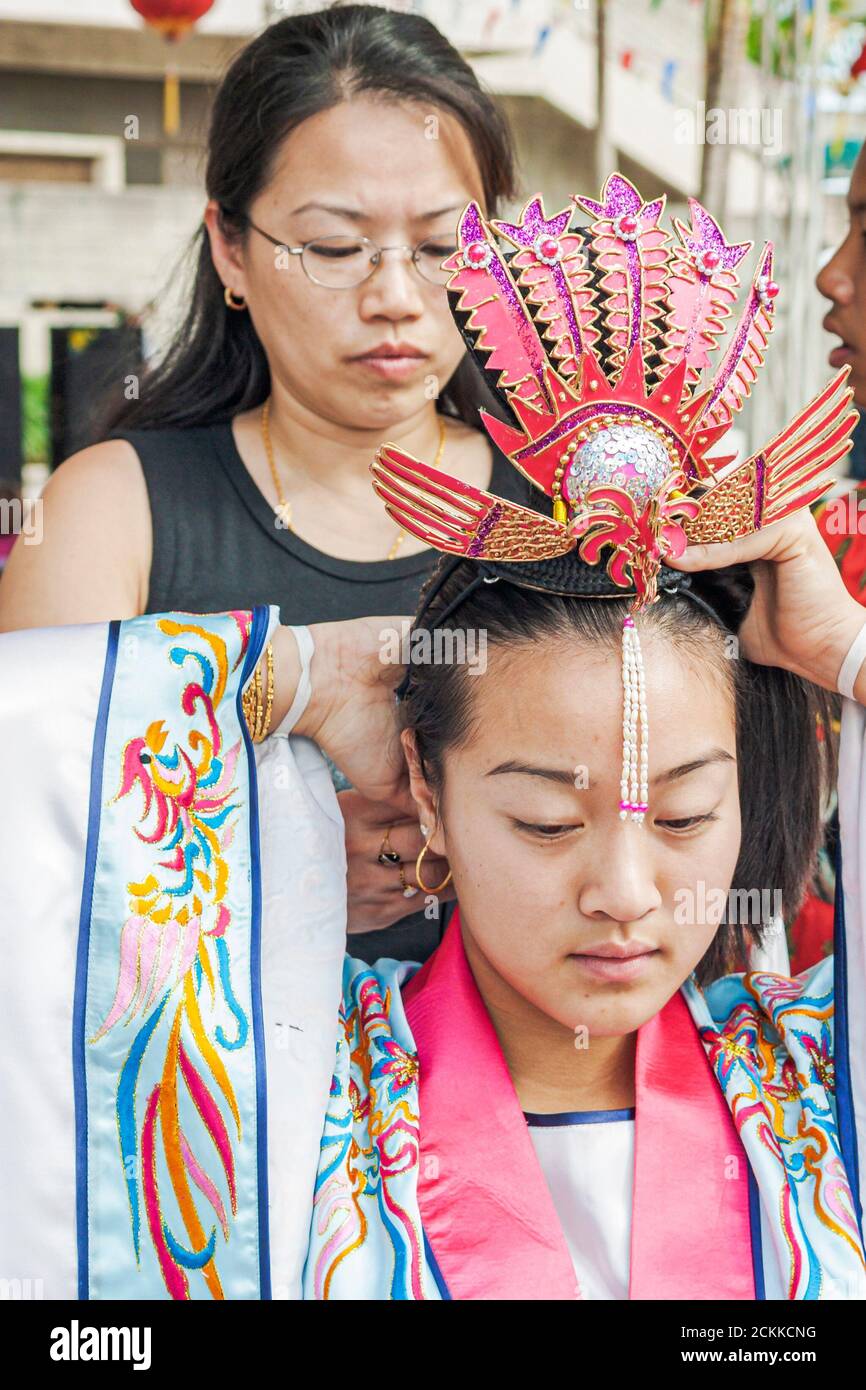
<point x="498" y="322"/>
<point x="555" y="278"/>
<point x="702" y="288"/>
<point x="744" y="358"/>
<point x="631" y="251"/>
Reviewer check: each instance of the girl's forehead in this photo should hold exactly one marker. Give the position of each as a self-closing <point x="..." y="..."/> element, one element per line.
<point x="572" y="694"/>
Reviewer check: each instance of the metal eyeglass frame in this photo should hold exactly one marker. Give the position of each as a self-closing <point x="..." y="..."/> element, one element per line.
<point x="376" y="258"/>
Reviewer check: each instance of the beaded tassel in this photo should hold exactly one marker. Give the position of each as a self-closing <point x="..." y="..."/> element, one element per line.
<point x="635" y="761"/>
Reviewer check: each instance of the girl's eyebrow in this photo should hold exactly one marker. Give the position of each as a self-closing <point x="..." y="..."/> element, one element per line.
<point x="566" y="778"/>
<point x="552" y="774"/>
<point x="714" y="755"/>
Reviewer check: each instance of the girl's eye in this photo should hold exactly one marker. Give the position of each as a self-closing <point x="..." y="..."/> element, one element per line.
<point x="545" y="832"/>
<point x="687" y="822"/>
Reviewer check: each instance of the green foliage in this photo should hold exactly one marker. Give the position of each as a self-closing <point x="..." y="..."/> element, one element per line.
<point x="35" y="409"/>
<point x="783" y="38"/>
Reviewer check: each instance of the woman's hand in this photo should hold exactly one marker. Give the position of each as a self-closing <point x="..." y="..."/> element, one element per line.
<point x="352" y="716"/>
<point x="351" y="713"/>
<point x="801" y="617"/>
<point x="376" y="894"/>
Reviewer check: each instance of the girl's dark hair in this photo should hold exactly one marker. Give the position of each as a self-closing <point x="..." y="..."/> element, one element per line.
<point x="215" y="366"/>
<point x="785" y="749"/>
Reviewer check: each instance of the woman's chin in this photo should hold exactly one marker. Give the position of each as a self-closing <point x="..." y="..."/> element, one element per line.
<point x="381" y="407"/>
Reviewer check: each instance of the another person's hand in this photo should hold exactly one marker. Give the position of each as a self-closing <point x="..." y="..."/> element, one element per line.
<point x="351" y="713"/>
<point x="802" y="617"/>
<point x="376" y="891"/>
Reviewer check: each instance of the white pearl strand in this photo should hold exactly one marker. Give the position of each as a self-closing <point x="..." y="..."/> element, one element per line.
<point x="633" y="785"/>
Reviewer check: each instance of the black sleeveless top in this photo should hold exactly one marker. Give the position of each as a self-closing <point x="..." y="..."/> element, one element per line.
<point x="215" y="544"/>
<point x="216" y="547"/>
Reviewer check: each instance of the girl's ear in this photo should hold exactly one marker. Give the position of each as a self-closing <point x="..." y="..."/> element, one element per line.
<point x="420" y="792"/>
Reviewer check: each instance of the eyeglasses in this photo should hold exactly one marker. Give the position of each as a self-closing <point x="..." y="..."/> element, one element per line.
<point x="342" y="262"/>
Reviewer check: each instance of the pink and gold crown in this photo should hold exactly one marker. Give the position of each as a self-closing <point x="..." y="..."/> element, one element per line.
<point x="600" y="341"/>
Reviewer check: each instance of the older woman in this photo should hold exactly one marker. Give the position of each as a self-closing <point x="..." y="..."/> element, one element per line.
<point x="342" y="146"/>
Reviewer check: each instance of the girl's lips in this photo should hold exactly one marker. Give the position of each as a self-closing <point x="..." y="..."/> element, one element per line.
<point x="618" y="969"/>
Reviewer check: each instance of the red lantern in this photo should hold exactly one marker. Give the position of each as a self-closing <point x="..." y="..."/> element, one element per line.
<point x="172" y="19"/>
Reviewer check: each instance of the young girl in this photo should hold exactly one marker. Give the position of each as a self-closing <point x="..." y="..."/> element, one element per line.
<point x="573" y="1097"/>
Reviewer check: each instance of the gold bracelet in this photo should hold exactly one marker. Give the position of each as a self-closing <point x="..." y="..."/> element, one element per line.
<point x="257" y="707"/>
<point x="257" y="736"/>
<point x="249" y="708"/>
<point x="269" y="657"/>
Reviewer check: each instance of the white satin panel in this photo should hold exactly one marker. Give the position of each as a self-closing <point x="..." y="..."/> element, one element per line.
<point x="50" y="680"/>
<point x="303" y="872"/>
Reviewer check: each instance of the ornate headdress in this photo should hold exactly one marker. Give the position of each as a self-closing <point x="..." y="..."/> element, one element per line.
<point x="599" y="340"/>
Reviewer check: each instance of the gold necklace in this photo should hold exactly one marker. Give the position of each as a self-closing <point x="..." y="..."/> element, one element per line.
<point x="284" y="509"/>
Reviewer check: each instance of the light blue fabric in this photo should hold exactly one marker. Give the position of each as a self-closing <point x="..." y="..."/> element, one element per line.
<point x="366" y="1239"/>
<point x="171" y="904"/>
<point x="772" y="1045"/>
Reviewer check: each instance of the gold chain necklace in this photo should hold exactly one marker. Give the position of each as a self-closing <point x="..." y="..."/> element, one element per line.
<point x="284" y="509"/>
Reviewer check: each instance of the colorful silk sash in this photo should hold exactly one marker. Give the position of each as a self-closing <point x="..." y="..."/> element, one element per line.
<point x="484" y="1202"/>
<point x="171" y="1152"/>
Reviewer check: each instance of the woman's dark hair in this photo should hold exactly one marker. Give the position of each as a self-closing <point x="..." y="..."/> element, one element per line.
<point x="215" y="366"/>
<point x="785" y="749"/>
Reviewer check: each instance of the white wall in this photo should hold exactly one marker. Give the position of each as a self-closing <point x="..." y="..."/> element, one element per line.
<point x="72" y="241"/>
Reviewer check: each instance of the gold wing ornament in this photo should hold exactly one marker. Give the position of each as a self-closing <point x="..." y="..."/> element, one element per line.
<point x="787" y="474"/>
<point x="461" y="519"/>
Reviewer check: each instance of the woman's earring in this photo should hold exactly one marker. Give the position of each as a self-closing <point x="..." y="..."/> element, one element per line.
<point x="231" y="301"/>
<point x="418" y="879"/>
<point x="424" y="829"/>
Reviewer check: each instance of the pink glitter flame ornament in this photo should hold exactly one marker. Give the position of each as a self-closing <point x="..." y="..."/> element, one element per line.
<point x="599" y="341"/>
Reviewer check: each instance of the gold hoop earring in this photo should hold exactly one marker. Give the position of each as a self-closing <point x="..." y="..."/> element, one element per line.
<point x="419" y="880"/>
<point x="231" y="301"/>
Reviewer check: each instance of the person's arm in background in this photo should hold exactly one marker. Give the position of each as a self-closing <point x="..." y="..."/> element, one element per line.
<point x="89" y="560"/>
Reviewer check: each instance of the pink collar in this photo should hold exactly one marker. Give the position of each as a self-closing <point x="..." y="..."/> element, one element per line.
<point x="485" y="1205"/>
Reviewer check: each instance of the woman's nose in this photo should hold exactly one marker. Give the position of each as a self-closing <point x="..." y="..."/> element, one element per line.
<point x="394" y="290"/>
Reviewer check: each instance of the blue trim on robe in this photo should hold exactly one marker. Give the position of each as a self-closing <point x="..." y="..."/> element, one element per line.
<point x="79" y="1075"/>
<point x="577" y="1117"/>
<point x="261" y="619"/>
<point x="435" y="1270"/>
<point x="845" y="1118"/>
<point x="756" y="1238"/>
